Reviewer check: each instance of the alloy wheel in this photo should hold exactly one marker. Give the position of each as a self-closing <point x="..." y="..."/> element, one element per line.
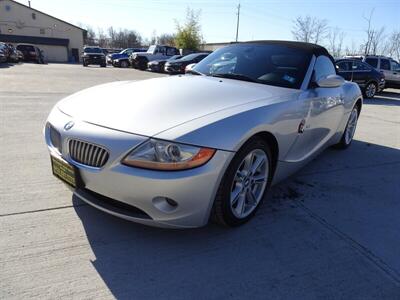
<point x="351" y="126"/>
<point x="370" y="90"/>
<point x="249" y="183"/>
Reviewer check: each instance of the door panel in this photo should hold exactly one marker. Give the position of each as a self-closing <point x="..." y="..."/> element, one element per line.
<point x="361" y="73"/>
<point x="385" y="69"/>
<point x="325" y="112"/>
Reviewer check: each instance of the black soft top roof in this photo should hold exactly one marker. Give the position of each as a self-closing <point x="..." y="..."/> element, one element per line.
<point x="315" y="49"/>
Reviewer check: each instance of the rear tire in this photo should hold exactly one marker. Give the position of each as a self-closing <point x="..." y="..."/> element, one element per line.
<point x="244" y="185"/>
<point x="348" y="133"/>
<point x="370" y="90"/>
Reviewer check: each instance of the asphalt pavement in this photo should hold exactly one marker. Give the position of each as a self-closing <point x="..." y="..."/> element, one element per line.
<point x="331" y="231"/>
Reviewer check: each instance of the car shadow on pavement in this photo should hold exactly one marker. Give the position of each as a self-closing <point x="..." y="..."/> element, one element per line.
<point x="282" y="253"/>
<point x="384" y="98"/>
<point x="5" y="65"/>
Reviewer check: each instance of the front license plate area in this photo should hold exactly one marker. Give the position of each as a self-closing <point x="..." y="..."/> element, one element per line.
<point x="64" y="171"/>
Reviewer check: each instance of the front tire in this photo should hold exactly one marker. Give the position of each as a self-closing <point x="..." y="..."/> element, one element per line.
<point x="244" y="184"/>
<point x="124" y="64"/>
<point x="142" y="63"/>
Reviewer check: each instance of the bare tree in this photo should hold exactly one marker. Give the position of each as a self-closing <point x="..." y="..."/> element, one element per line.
<point x="154" y="38"/>
<point x="377" y="40"/>
<point x="89" y="35"/>
<point x="310" y="29"/>
<point x="335" y="39"/>
<point x="102" y="39"/>
<point x="374" y="37"/>
<point x="121" y="38"/>
<point x="392" y="46"/>
<point x="167" y="39"/>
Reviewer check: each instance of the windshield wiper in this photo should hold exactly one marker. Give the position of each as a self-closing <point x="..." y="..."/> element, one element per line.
<point x="234" y="76"/>
<point x="194" y="72"/>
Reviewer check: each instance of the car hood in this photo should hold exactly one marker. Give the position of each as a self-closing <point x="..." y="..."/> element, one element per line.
<point x="179" y="61"/>
<point x="118" y="55"/>
<point x="152" y="106"/>
<point x="93" y="54"/>
<point x="157" y="61"/>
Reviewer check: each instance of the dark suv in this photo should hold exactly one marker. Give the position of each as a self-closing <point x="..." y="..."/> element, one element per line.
<point x="93" y="56"/>
<point x="370" y="80"/>
<point x="139" y="60"/>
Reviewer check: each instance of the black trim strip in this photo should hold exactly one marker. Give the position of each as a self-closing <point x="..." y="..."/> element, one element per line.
<point x="25" y="39"/>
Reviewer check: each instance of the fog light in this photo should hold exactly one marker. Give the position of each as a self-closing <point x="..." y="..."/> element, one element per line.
<point x="165" y="204"/>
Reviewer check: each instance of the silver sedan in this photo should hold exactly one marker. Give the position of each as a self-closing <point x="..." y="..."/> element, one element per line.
<point x="179" y="151"/>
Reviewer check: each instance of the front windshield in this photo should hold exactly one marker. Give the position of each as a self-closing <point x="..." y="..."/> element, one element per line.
<point x="189" y="57"/>
<point x="175" y="57"/>
<point x="270" y="64"/>
<point x="151" y="49"/>
<point x="93" y="50"/>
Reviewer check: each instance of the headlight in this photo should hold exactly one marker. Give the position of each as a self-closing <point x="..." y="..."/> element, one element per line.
<point x="116" y="60"/>
<point x="168" y="156"/>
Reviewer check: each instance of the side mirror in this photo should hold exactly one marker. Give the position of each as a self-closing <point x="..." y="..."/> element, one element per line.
<point x="330" y="81"/>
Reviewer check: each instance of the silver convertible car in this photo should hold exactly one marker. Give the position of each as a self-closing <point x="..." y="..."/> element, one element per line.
<point x="180" y="151"/>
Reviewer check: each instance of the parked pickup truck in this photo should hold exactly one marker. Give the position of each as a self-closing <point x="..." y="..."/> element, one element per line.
<point x="139" y="60"/>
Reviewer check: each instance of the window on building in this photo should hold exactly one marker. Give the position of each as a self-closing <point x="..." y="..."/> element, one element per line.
<point x="34" y="16"/>
<point x="42" y="31"/>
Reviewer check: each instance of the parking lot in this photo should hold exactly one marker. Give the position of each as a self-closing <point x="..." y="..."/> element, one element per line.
<point x="331" y="231"/>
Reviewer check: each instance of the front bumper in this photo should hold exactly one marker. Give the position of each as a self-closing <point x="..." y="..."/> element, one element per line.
<point x="174" y="69"/>
<point x="154" y="67"/>
<point x="94" y="60"/>
<point x="146" y="190"/>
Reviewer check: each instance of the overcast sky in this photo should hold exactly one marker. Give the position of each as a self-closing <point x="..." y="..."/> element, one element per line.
<point x="259" y="19"/>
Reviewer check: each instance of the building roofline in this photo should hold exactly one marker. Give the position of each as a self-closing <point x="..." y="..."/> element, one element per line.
<point x="26" y="6"/>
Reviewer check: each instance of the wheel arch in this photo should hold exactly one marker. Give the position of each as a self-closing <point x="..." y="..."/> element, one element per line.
<point x="358" y="104"/>
<point x="272" y="142"/>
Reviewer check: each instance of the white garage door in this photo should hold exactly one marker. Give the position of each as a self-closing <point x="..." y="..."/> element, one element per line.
<point x="54" y="53"/>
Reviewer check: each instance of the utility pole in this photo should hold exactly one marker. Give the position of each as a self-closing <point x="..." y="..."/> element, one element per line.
<point x="237" y="24"/>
